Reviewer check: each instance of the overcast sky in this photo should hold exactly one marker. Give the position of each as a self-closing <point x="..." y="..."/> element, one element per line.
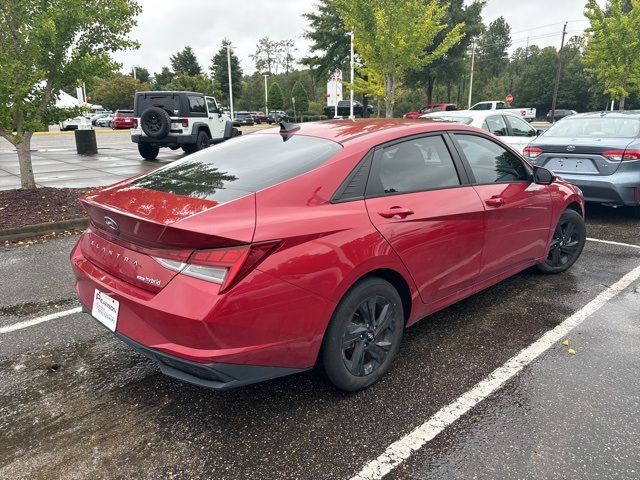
<point x="166" y="27"/>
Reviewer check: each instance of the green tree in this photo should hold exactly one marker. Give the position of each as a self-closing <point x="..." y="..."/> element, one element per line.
<point x="118" y="92"/>
<point x="45" y="46"/>
<point x="219" y="71"/>
<point x="276" y="98"/>
<point x="162" y="79"/>
<point x="392" y="37"/>
<point x="141" y="74"/>
<point x="267" y="55"/>
<point x="191" y="83"/>
<point x="185" y="63"/>
<point x="611" y="51"/>
<point x="493" y="46"/>
<point x="302" y="99"/>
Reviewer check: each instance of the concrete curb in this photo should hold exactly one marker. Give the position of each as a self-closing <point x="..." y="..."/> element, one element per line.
<point x="21" y="233"/>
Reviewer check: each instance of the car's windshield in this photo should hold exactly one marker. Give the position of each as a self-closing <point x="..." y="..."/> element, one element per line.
<point x="595" y="127"/>
<point x="246" y="164"/>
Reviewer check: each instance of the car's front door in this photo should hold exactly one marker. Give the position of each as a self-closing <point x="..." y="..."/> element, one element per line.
<point x="419" y="199"/>
<point x="518" y="211"/>
<point x="216" y="122"/>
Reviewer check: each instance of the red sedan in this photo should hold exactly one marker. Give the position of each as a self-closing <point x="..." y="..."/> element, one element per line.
<point x="124" y="119"/>
<point x="317" y="243"/>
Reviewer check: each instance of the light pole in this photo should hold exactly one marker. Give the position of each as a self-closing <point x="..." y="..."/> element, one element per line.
<point x="266" y="96"/>
<point x="230" y="82"/>
<point x="473" y="59"/>
<point x="351" y="116"/>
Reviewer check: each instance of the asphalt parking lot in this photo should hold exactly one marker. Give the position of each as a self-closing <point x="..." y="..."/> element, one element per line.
<point x="75" y="403"/>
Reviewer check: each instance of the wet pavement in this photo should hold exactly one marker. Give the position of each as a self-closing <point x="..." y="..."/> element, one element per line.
<point x="75" y="403"/>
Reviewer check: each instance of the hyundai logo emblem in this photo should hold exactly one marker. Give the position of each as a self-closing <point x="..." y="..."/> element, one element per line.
<point x="571" y="148"/>
<point x="111" y="223"/>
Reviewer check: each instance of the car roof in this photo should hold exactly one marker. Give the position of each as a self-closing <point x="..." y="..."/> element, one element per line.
<point x="169" y="92"/>
<point x="345" y="130"/>
<point x="470" y="113"/>
<point x="609" y="114"/>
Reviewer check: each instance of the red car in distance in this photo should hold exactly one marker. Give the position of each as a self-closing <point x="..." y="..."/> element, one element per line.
<point x="315" y="244"/>
<point x="259" y="117"/>
<point x="124" y="119"/>
<point x="434" y="107"/>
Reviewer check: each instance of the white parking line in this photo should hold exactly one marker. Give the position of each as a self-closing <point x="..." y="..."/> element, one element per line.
<point x="36" y="321"/>
<point x="609" y="242"/>
<point x="400" y="450"/>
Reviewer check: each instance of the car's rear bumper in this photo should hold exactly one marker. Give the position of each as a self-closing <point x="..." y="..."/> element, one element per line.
<point x="262" y="328"/>
<point x="166" y="141"/>
<point x="621" y="188"/>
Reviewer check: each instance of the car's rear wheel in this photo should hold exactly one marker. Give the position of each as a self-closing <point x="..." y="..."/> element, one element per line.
<point x="364" y="335"/>
<point x="567" y="243"/>
<point x="148" y="152"/>
<point x="634" y="211"/>
<point x="203" y="141"/>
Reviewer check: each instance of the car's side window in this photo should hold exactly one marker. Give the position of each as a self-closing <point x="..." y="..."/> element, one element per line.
<point x="197" y="105"/>
<point x="489" y="162"/>
<point x="520" y="128"/>
<point x="495" y="124"/>
<point x="414" y="165"/>
<point x="211" y="105"/>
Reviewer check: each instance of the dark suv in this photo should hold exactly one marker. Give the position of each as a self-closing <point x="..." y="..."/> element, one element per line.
<point x="189" y="120"/>
<point x="344" y="111"/>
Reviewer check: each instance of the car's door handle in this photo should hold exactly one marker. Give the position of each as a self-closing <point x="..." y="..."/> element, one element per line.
<point x="495" y="201"/>
<point x="396" y="212"/>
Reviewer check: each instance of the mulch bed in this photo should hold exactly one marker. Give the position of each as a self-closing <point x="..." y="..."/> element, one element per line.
<point x="22" y="208"/>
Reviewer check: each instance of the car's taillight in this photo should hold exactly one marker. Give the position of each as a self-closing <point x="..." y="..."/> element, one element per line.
<point x="225" y="266"/>
<point x="621" y="155"/>
<point x="185" y="122"/>
<point x="532" y="152"/>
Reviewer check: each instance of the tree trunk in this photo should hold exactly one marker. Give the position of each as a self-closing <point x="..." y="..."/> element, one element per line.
<point x="621" y="105"/>
<point x="430" y="84"/>
<point x="24" y="159"/>
<point x="365" y="104"/>
<point x="390" y="87"/>
<point x="448" y="92"/>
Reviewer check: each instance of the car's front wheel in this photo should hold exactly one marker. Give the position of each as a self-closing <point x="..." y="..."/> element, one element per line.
<point x="364" y="335"/>
<point x="567" y="243"/>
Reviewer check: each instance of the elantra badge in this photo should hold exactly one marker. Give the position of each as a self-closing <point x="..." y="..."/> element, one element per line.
<point x="111" y="223"/>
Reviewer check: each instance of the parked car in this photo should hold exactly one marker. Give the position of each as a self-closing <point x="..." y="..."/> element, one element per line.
<point x="527" y="113"/>
<point x="259" y="117"/>
<point x="315" y="243"/>
<point x="124" y="119"/>
<point x="560" y="114"/>
<point x="344" y="109"/>
<point x="72" y="123"/>
<point x="188" y="120"/>
<point x="277" y="116"/>
<point x="431" y="108"/>
<point x="97" y="116"/>
<point x="507" y="125"/>
<point x="105" y="121"/>
<point x="599" y="152"/>
<point x="244" y="118"/>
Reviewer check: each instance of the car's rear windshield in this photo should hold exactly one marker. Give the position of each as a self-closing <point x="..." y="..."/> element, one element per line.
<point x="167" y="101"/>
<point x="125" y="113"/>
<point x="246" y="164"/>
<point x="595" y="127"/>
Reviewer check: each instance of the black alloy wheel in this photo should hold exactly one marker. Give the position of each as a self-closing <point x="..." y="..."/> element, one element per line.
<point x="364" y="335"/>
<point x="155" y="122"/>
<point x="567" y="243"/>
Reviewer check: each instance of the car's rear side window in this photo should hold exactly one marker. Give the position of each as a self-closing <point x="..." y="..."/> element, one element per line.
<point x="197" y="105"/>
<point x="246" y="164"/>
<point x="412" y="166"/>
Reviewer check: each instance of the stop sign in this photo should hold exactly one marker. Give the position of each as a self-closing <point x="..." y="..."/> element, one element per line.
<point x="509" y="98"/>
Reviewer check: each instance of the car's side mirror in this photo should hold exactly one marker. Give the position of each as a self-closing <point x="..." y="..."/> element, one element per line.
<point x="542" y="176"/>
<point x="539" y="132"/>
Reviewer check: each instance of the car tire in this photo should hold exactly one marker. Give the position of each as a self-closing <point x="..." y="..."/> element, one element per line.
<point x="155" y="122"/>
<point x="634" y="212"/>
<point x="567" y="243"/>
<point x="203" y="140"/>
<point x="148" y="152"/>
<point x="359" y="348"/>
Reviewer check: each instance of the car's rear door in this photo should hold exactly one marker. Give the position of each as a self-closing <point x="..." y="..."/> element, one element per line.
<point x="419" y="199"/>
<point x="520" y="132"/>
<point x="518" y="211"/>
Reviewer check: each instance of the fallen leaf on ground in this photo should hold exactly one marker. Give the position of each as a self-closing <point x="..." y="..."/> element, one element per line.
<point x="565" y="343"/>
<point x="571" y="351"/>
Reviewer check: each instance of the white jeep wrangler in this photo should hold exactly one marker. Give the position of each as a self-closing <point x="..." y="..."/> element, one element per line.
<point x="189" y="120"/>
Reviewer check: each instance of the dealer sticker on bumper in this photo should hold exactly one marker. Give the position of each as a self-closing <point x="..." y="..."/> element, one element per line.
<point x="105" y="309"/>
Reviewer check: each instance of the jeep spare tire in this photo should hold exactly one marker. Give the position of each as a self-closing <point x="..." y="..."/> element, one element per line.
<point x="155" y="122"/>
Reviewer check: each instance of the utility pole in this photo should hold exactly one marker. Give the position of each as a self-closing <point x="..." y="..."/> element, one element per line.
<point x="557" y="85"/>
<point x="134" y="73"/>
<point x="351" y="116"/>
<point x="473" y="61"/>
<point x="230" y="82"/>
<point x="266" y="96"/>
